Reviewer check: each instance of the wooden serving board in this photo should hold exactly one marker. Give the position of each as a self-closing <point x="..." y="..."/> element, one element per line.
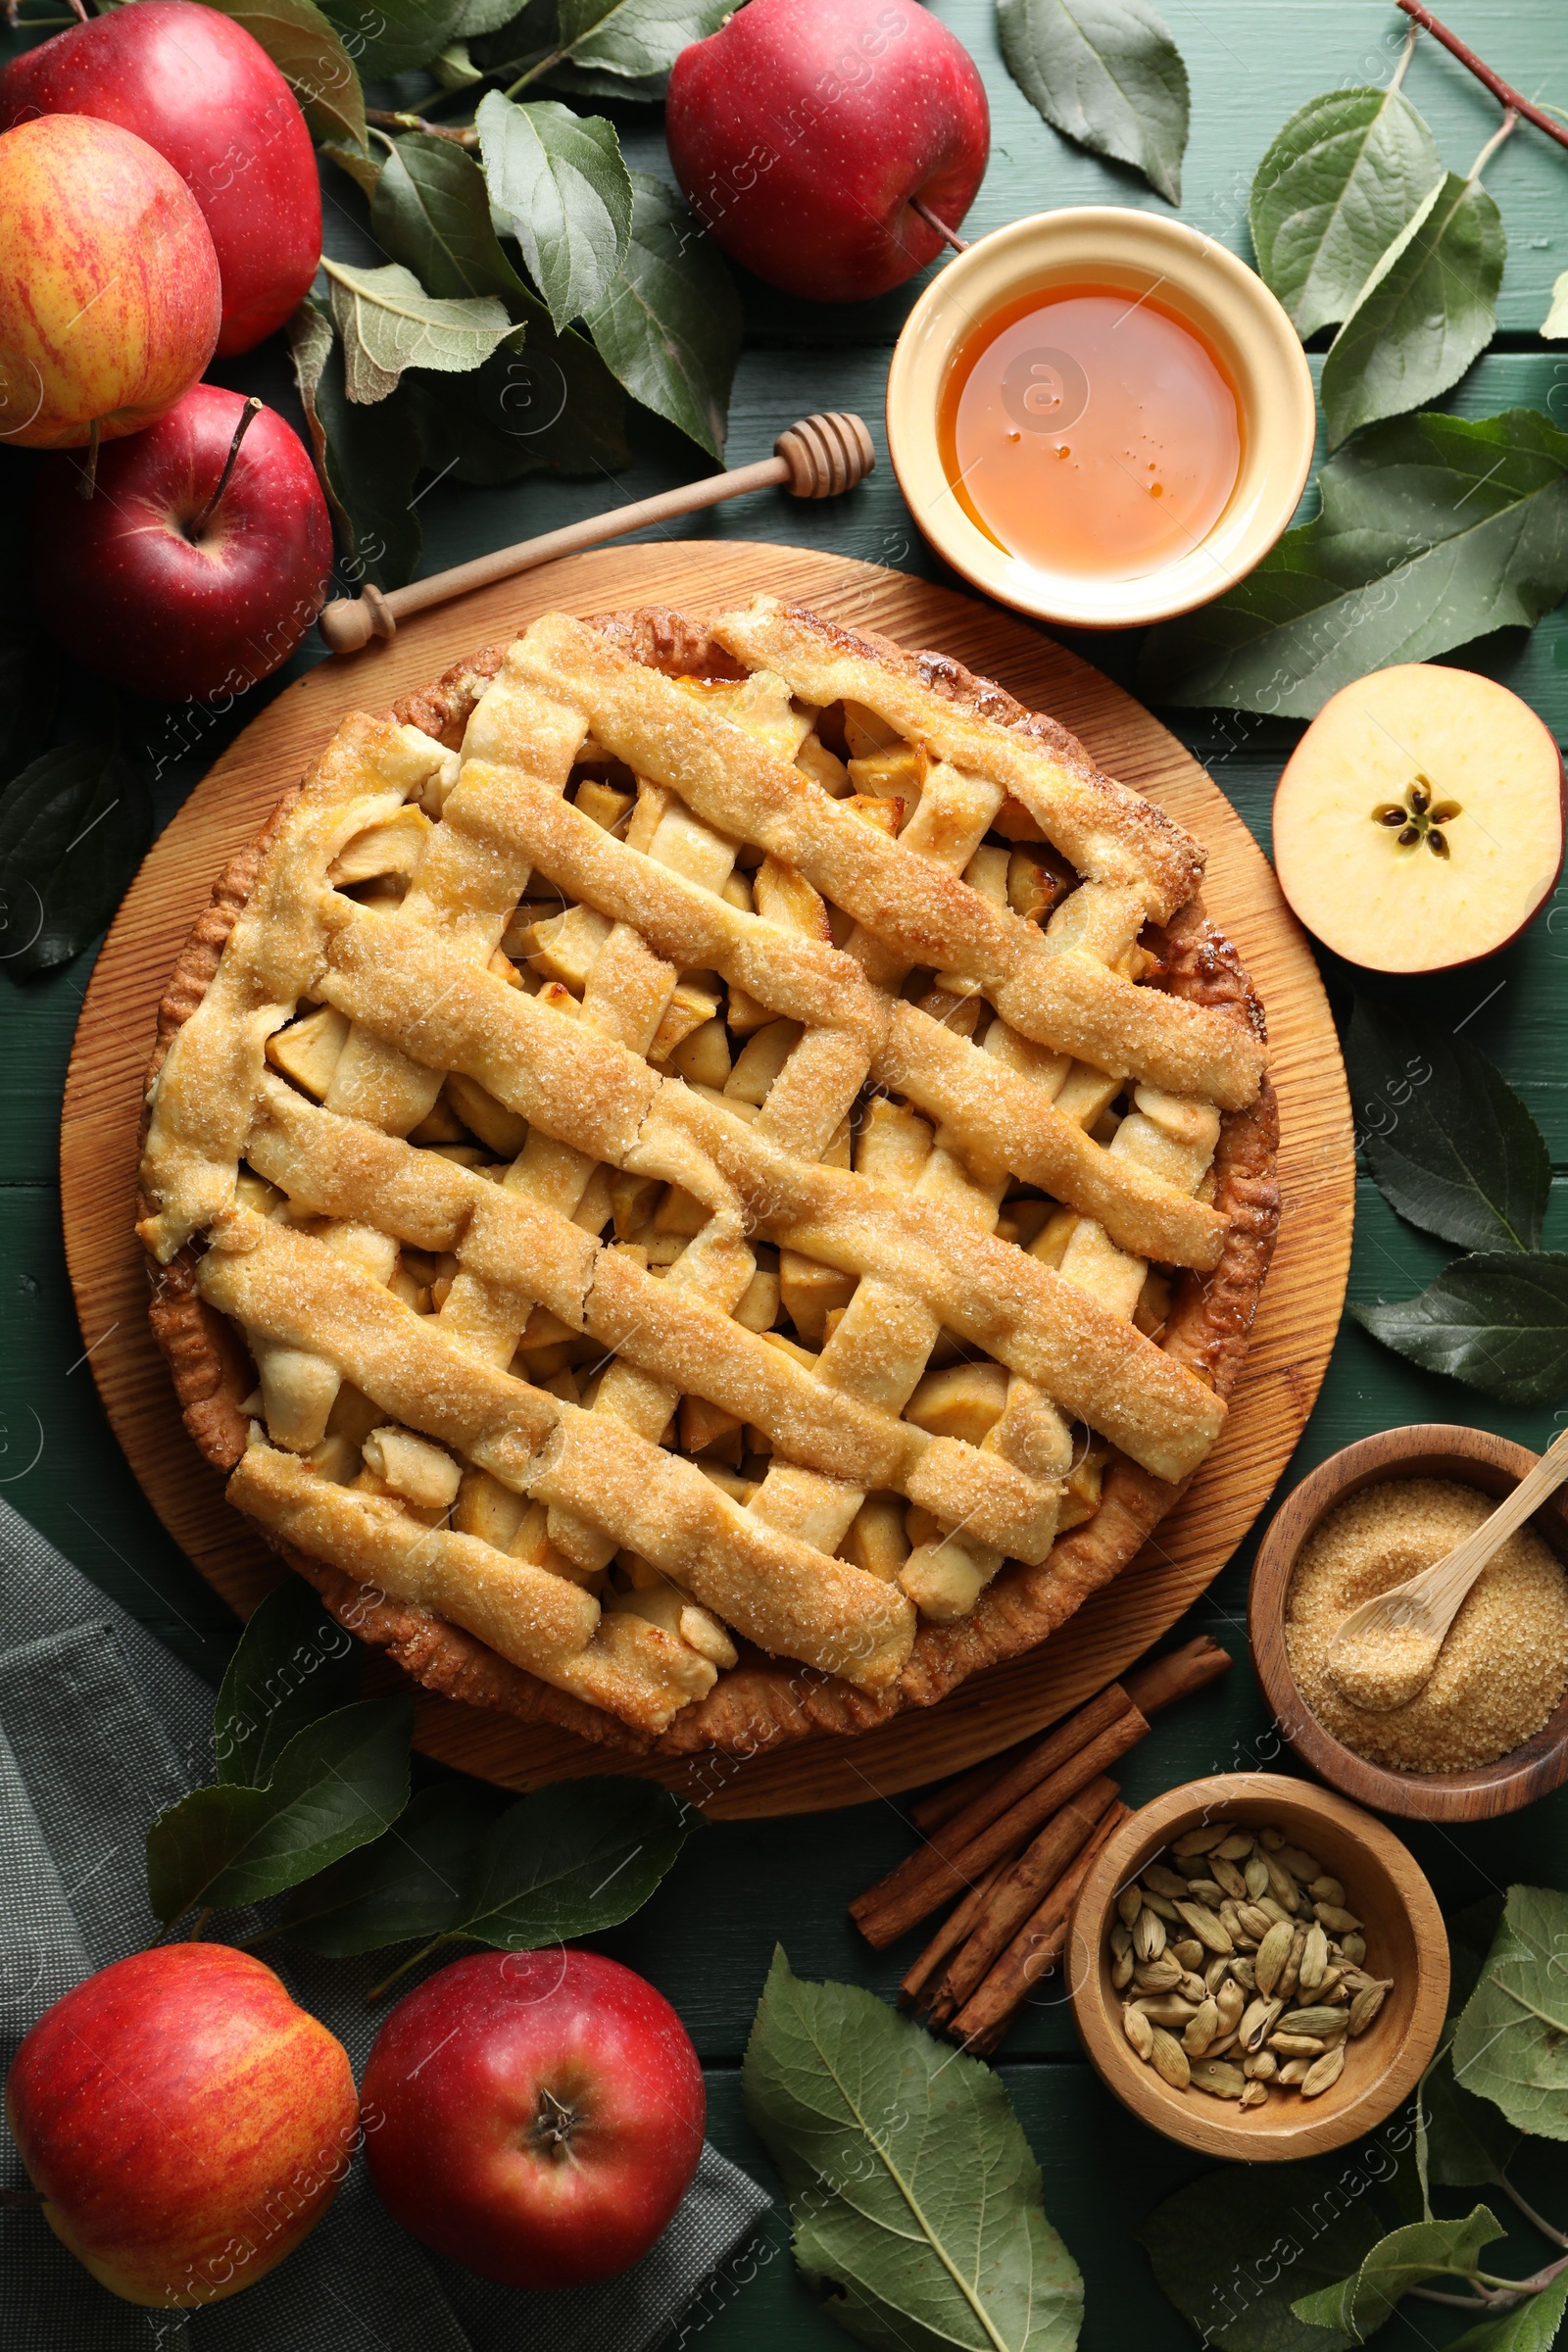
<point x="1297" y="1322"/>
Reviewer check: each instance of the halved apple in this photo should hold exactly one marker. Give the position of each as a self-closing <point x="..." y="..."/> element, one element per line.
<point x="1419" y="822"/>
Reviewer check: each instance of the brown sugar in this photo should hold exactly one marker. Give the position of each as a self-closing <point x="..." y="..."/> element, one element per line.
<point x="1500" y="1671"/>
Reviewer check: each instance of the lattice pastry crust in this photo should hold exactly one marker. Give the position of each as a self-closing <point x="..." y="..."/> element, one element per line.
<point x="708" y="1180"/>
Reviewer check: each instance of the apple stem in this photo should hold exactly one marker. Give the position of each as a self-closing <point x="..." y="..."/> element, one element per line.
<point x="1500" y="89"/>
<point x="432" y="131"/>
<point x="1492" y="144"/>
<point x="78" y="9"/>
<point x="540" y="65"/>
<point x="948" y="235"/>
<point x="86" y="481"/>
<point x="202" y="1917"/>
<point x="247" y="418"/>
<point x="404" y="1966"/>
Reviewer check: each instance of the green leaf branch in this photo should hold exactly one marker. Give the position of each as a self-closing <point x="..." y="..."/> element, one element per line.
<point x="1455" y="1151"/>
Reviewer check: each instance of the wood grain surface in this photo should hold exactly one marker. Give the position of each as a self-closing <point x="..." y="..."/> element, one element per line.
<point x="1302" y="1300"/>
<point x="1384" y="1886"/>
<point x="1426" y="1449"/>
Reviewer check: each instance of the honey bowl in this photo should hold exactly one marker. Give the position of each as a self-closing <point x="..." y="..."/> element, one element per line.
<point x="1099" y="418"/>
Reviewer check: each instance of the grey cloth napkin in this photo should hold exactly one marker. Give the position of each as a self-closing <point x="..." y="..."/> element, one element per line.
<point x="99" y="1728"/>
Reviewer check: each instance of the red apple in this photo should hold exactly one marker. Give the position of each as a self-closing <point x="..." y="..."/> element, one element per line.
<point x="537" y="2116"/>
<point x="199" y="88"/>
<point x="142" y="588"/>
<point x="108" y="291"/>
<point x="801" y="128"/>
<point x="1419" y="822"/>
<point x="186" y="2122"/>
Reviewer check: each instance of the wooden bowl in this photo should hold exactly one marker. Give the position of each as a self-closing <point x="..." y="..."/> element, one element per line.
<point x="1405" y="1939"/>
<point x="1426" y="1449"/>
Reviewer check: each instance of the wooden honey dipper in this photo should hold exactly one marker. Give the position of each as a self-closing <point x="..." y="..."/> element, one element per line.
<point x="815" y="459"/>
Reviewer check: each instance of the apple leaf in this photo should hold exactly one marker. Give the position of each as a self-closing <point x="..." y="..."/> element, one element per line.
<point x="634" y="39"/>
<point x="1432" y="530"/>
<point x="1510" y="2046"/>
<point x="484" y="16"/>
<point x="432" y="211"/>
<point x="1530" y="2326"/>
<point x="407" y="1884"/>
<point x="1428" y="308"/>
<point x="1340" y="181"/>
<point x="914" y="2196"/>
<point x="73" y="827"/>
<point x="29" y="691"/>
<point x="388" y="322"/>
<point x="292" y="1664"/>
<point x="307" y="51"/>
<point x="670" y="326"/>
<point x="559" y="179"/>
<point x="1554" y="325"/>
<point x="392" y="36"/>
<point x="1204" y="2245"/>
<point x="1355" y="2306"/>
<point x="366" y="458"/>
<point x="1498" y="1323"/>
<point x="1461" y="2142"/>
<point x="554" y="402"/>
<point x="568" y="1860"/>
<point x="337" y="1783"/>
<point x="1107" y="75"/>
<point x="1448" y="1141"/>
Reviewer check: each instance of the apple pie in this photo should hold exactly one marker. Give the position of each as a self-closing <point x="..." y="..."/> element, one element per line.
<point x="706" y="1180"/>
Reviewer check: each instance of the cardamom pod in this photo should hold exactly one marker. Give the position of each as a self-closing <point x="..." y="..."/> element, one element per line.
<point x="1120" y="1940"/>
<point x="1201" y="1841"/>
<point x="1220" y="2080"/>
<point x="1149" y="1934"/>
<point x="1206" y="1890"/>
<point x="1296" y="2046"/>
<point x="1161" y="1903"/>
<point x="1331" y="1915"/>
<point x="1301" y="1864"/>
<point x="1242" y="1970"/>
<point x="1258" y="2021"/>
<point x="1200" y="2029"/>
<point x="1230" y="2000"/>
<point x="1129" y="1903"/>
<point x="1194" y="1987"/>
<point x="1261" y="2067"/>
<point x="1234" y="1846"/>
<point x="1215" y="1973"/>
<point x="1255" y="1874"/>
<point x="1169" y="2058"/>
<point x="1170" y="2009"/>
<point x="1138" y="2032"/>
<point x="1364" y="2008"/>
<point x="1189" y="1951"/>
<point x="1217" y="2049"/>
<point x="1281" y="1885"/>
<point x="1319" y="2019"/>
<point x="1158" y="1880"/>
<point x="1324" y="1889"/>
<point x="1324" y="2074"/>
<point x="1355" y="1949"/>
<point x="1256" y="2094"/>
<point x="1122" y="1971"/>
<point x="1272" y="1954"/>
<point x="1206" y="1928"/>
<point x="1290" y="1973"/>
<point x="1314" y="1957"/>
<point x="1158" y="1976"/>
<point x="1292" y="2073"/>
<point x="1256" y="1922"/>
<point x="1226" y="1876"/>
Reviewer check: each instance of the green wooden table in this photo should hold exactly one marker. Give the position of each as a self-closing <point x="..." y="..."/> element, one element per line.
<point x="707" y="1936"/>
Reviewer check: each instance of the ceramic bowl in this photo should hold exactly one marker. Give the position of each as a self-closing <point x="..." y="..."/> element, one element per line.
<point x="1426" y="1449"/>
<point x="1106" y="245"/>
<point x="1405" y="1939"/>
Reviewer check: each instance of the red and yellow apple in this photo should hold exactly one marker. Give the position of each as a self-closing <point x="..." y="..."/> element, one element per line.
<point x="109" y="286"/>
<point x="186" y="2122"/>
<point x="1418" y="824"/>
<point x="537" y="2116"/>
<point x="196" y="86"/>
<point x="163" y="596"/>
<point x="800" y="130"/>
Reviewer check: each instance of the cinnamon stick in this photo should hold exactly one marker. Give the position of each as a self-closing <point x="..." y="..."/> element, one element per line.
<point x="1150" y="1686"/>
<point x="1020" y="1890"/>
<point x="1159" y="1682"/>
<point x="1033" y="1952"/>
<point x="941" y="1875"/>
<point x="923" y="1973"/>
<point x="932" y="1861"/>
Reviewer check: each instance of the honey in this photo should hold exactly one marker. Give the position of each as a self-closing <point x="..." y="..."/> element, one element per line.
<point x="1090" y="430"/>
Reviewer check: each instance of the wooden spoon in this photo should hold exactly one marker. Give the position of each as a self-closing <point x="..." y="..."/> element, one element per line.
<point x="818" y="458"/>
<point x="1385" y="1651"/>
